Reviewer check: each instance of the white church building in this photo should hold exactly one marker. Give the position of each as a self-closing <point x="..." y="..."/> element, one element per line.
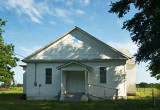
<point x="77" y="66"/>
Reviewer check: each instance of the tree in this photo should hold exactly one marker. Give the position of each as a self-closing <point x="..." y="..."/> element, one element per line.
<point x="143" y="85"/>
<point x="7" y="58"/>
<point x="144" y="28"/>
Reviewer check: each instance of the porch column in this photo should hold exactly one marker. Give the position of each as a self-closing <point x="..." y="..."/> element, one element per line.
<point x="62" y="83"/>
<point x="62" y="87"/>
<point x="86" y="81"/>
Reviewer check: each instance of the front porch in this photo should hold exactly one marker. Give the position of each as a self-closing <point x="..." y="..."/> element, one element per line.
<point x="74" y="80"/>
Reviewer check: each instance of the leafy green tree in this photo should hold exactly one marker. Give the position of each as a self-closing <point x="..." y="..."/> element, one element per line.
<point x="7" y="58"/>
<point x="157" y="86"/>
<point x="144" y="28"/>
<point x="143" y="85"/>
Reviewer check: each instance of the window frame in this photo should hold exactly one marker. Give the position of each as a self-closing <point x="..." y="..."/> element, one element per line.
<point x="50" y="76"/>
<point x="102" y="75"/>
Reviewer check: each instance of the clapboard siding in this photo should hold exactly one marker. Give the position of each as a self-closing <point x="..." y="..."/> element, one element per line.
<point x="86" y="49"/>
<point x="115" y="74"/>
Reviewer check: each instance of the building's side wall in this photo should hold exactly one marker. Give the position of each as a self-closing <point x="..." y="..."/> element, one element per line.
<point x="46" y="91"/>
<point x="115" y="79"/>
<point x="131" y="78"/>
<point x="24" y="80"/>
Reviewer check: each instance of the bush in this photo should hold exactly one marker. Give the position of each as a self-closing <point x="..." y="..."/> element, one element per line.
<point x="19" y="85"/>
<point x="143" y="85"/>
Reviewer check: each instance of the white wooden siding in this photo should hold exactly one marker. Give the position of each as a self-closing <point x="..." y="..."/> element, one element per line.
<point x="86" y="48"/>
<point x="49" y="91"/>
<point x="131" y="78"/>
<point x="24" y="80"/>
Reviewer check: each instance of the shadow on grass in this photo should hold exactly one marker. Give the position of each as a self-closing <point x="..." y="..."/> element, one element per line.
<point x="11" y="96"/>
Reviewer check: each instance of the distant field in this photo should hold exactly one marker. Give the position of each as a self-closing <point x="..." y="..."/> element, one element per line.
<point x="140" y="92"/>
<point x="12" y="100"/>
<point x="147" y="92"/>
<point x="12" y="90"/>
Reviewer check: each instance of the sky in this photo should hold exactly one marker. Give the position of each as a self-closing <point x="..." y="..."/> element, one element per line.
<point x="34" y="23"/>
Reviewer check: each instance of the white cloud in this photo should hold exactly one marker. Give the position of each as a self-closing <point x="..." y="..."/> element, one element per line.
<point x="82" y="2"/>
<point x="28" y="7"/>
<point x="80" y="12"/>
<point x="52" y="22"/>
<point x="30" y="50"/>
<point x="36" y="10"/>
<point x="69" y="3"/>
<point x="92" y="16"/>
<point x="109" y="3"/>
<point x="69" y="21"/>
<point x="126" y="45"/>
<point x="61" y="12"/>
<point x="59" y="0"/>
<point x="33" y="18"/>
<point x="120" y="22"/>
<point x="86" y="2"/>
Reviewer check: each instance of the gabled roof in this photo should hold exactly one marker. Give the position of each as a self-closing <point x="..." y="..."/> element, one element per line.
<point x="78" y="63"/>
<point x="75" y="28"/>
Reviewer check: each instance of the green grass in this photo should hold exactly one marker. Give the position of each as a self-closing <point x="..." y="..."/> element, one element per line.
<point x="14" y="101"/>
<point x="12" y="90"/>
<point x="147" y="92"/>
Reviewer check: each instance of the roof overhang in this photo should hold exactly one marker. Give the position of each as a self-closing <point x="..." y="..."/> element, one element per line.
<point x="77" y="63"/>
<point x="69" y="60"/>
<point x="23" y="65"/>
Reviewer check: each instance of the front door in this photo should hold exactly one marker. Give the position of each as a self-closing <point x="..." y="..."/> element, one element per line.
<point x="75" y="82"/>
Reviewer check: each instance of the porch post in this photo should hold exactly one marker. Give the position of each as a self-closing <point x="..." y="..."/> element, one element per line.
<point x="86" y="82"/>
<point x="62" y="84"/>
<point x="62" y="87"/>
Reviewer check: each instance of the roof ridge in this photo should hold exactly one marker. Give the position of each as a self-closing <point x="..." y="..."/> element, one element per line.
<point x="63" y="35"/>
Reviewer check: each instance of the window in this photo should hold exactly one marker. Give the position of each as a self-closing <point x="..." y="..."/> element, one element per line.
<point x="48" y="75"/>
<point x="102" y="74"/>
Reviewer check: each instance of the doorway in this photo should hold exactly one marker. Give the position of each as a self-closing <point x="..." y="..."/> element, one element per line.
<point x="75" y="82"/>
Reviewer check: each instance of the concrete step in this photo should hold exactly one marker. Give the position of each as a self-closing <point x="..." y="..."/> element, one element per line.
<point x="72" y="97"/>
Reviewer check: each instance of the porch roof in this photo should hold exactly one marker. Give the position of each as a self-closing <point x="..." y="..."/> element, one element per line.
<point x="74" y="62"/>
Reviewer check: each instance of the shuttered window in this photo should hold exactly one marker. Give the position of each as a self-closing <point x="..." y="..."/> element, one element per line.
<point x="48" y="75"/>
<point x="102" y="74"/>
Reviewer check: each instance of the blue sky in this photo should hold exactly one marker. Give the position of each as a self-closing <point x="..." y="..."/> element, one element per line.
<point x="34" y="23"/>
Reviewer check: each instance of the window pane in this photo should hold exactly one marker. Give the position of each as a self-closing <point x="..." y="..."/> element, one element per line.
<point x="48" y="75"/>
<point x="102" y="75"/>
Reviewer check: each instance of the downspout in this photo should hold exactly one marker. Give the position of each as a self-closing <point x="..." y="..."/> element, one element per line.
<point x="35" y="82"/>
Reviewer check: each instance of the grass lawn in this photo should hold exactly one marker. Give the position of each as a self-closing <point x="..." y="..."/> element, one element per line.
<point x="147" y="92"/>
<point x="14" y="101"/>
<point x="13" y="90"/>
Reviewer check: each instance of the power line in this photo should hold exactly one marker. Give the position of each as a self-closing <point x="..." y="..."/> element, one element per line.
<point x="19" y="55"/>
